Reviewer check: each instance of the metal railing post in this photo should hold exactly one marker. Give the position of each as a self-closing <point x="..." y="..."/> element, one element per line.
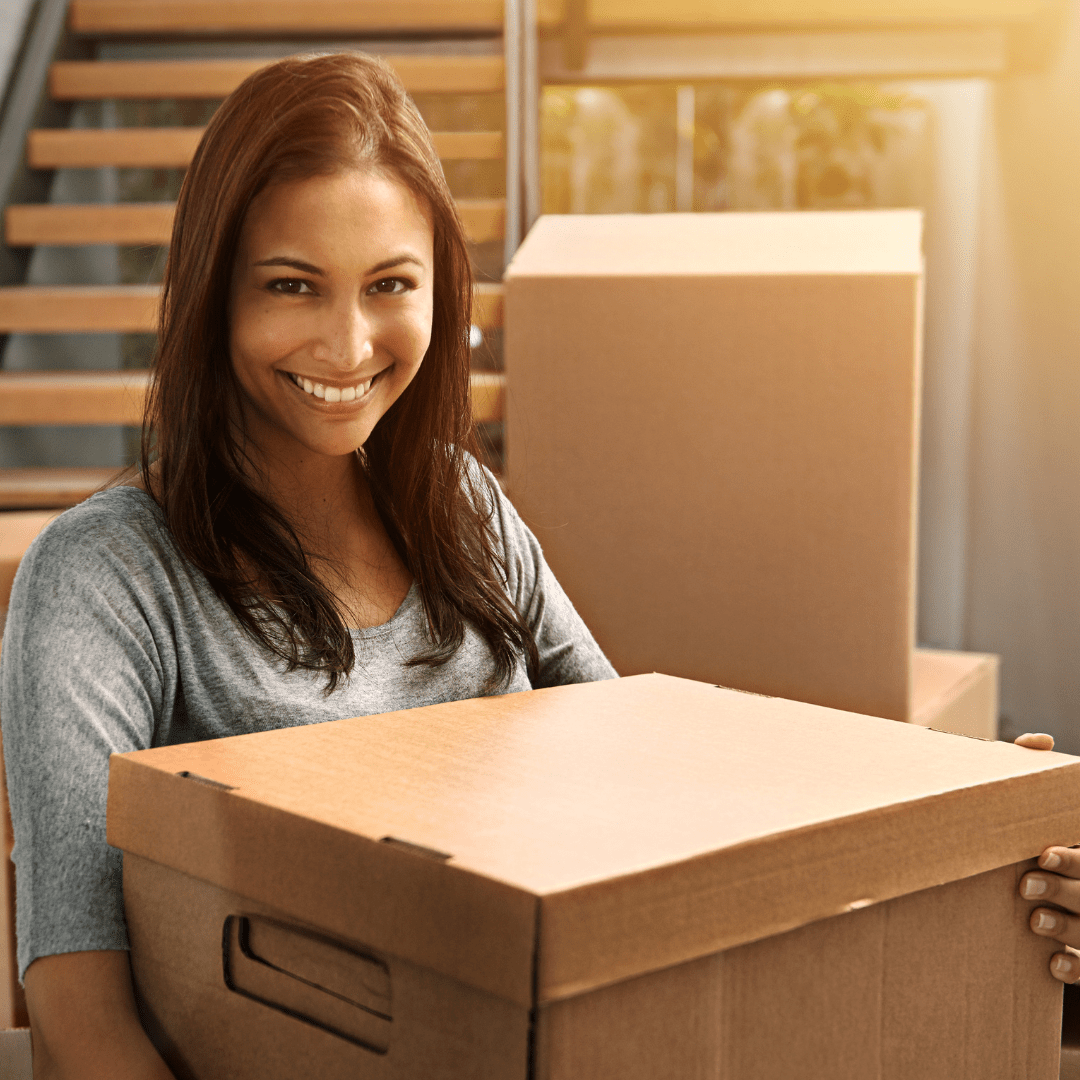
<point x="512" y="52"/>
<point x="530" y="112"/>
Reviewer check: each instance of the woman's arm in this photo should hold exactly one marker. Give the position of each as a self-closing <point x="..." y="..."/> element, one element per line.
<point x="84" y="1021"/>
<point x="81" y="677"/>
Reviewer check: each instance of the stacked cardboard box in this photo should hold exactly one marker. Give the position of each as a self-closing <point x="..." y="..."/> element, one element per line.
<point x="956" y="691"/>
<point x="630" y="880"/>
<point x="713" y="427"/>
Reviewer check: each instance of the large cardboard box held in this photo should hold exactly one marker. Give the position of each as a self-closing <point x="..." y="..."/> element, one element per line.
<point x="712" y="425"/>
<point x="641" y="879"/>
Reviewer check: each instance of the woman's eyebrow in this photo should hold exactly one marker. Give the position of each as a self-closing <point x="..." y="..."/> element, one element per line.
<point x="397" y="260"/>
<point x="296" y="264"/>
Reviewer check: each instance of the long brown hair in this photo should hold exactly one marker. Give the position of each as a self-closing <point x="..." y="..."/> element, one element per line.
<point x="302" y="117"/>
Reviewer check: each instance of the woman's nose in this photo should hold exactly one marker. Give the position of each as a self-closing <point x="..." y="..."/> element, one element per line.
<point x="347" y="339"/>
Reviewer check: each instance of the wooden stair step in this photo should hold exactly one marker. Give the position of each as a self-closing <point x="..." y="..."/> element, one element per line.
<point x="88" y="148"/>
<point x="52" y="488"/>
<point x="69" y="309"/>
<point x="72" y="397"/>
<point x="308" y="17"/>
<point x="151" y="223"/>
<point x="91" y="80"/>
<point x="118" y="397"/>
<point x="125" y="223"/>
<point x="484" y="219"/>
<point x="488" y="396"/>
<point x="487" y="312"/>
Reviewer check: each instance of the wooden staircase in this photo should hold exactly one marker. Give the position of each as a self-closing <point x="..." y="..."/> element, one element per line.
<point x="86" y="398"/>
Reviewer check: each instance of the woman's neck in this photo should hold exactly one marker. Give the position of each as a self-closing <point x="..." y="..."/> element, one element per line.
<point x="321" y="497"/>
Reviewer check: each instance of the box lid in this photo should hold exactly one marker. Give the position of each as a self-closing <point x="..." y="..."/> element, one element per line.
<point x="816" y="242"/>
<point x="600" y="830"/>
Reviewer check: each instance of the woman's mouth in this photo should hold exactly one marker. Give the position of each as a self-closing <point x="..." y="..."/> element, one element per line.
<point x="332" y="394"/>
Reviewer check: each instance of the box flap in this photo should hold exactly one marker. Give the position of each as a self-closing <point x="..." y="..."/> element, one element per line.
<point x="760" y="242"/>
<point x="651" y="819"/>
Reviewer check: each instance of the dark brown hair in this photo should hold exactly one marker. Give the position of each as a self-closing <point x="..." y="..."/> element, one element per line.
<point x="302" y="117"/>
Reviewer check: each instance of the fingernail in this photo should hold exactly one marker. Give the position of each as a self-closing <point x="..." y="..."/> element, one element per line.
<point x="1050" y="861"/>
<point x="1046" y="921"/>
<point x="1063" y="965"/>
<point x="1035" y="886"/>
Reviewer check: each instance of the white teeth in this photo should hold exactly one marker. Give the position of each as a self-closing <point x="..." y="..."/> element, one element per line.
<point x="331" y="394"/>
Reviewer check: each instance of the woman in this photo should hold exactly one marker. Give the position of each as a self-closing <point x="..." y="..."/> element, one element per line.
<point x="313" y="539"/>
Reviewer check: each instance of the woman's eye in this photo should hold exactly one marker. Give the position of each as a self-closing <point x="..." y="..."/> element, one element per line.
<point x="290" y="286"/>
<point x="391" y="285"/>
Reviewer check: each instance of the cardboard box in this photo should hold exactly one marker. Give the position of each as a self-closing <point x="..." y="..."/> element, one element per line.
<point x="712" y="425"/>
<point x="15" y="1062"/>
<point x="637" y="879"/>
<point x="956" y="691"/>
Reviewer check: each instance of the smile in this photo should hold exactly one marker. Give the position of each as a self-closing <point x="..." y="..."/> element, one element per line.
<point x="332" y="394"/>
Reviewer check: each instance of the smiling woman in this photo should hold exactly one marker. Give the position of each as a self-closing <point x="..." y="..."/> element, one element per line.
<point x="309" y="536"/>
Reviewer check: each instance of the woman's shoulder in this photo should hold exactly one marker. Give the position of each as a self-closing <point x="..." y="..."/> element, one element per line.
<point x="120" y="524"/>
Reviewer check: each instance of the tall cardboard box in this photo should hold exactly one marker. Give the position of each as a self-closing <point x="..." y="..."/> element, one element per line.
<point x="642" y="879"/>
<point x="712" y="425"/>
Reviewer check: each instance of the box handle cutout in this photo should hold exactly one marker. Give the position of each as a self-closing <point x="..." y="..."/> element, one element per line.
<point x="206" y="780"/>
<point x="312" y="978"/>
<point x="416" y="849"/>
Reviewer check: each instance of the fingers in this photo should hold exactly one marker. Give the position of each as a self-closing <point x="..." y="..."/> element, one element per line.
<point x="1059" y="885"/>
<point x="1062" y="860"/>
<point x="1051" y="889"/>
<point x="1036" y="741"/>
<point x="1059" y="925"/>
<point x="1065" y="967"/>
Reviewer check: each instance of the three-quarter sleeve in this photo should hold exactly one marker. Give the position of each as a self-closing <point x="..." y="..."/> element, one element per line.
<point x="81" y="677"/>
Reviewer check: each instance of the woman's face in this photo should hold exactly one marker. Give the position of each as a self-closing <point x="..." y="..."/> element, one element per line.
<point x="330" y="310"/>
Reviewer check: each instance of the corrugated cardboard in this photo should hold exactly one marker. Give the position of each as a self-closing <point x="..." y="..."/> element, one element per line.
<point x="641" y="878"/>
<point x="956" y="691"/>
<point x="15" y="1062"/>
<point x="712" y="427"/>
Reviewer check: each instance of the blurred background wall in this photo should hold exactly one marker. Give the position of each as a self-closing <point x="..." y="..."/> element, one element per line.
<point x="1022" y="585"/>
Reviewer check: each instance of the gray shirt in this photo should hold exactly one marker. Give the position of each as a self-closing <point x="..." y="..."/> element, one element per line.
<point x="114" y="642"/>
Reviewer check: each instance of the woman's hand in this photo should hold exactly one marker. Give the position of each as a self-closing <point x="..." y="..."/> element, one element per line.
<point x="1057" y="882"/>
<point x="83" y="1020"/>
